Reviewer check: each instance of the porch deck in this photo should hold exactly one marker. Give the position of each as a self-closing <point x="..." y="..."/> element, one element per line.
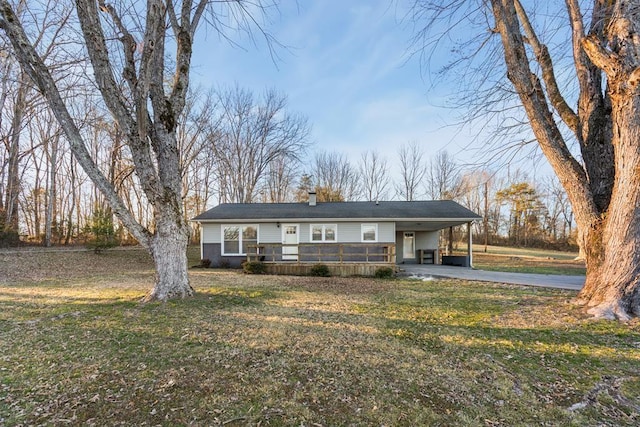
<point x="305" y="253"/>
<point x="342" y="259"/>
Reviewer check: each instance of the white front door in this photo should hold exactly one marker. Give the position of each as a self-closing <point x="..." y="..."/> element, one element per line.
<point x="290" y="242"/>
<point x="409" y="245"/>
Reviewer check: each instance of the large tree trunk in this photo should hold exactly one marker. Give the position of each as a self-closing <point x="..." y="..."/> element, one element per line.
<point x="169" y="251"/>
<point x="613" y="255"/>
<point x="612" y="288"/>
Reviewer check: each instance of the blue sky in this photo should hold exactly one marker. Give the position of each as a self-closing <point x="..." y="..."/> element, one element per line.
<point x="347" y="69"/>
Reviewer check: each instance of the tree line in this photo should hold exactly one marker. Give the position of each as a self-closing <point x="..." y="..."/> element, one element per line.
<point x="237" y="146"/>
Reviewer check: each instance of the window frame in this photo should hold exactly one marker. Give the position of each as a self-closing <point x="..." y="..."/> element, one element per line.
<point x="362" y="231"/>
<point x="241" y="228"/>
<point x="323" y="233"/>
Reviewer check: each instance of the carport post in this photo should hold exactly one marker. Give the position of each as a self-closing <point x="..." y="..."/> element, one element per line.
<point x="470" y="244"/>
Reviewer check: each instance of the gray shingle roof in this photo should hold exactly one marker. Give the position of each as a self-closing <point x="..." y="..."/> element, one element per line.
<point x="394" y="210"/>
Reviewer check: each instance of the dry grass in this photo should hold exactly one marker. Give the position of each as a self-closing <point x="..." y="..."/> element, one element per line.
<point x="77" y="347"/>
<point x="528" y="264"/>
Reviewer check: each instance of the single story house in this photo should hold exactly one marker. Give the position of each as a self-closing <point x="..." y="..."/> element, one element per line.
<point x="375" y="233"/>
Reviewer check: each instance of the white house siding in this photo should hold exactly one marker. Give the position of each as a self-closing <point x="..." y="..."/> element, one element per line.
<point x="304" y="232"/>
<point x="427" y="239"/>
<point x="211" y="233"/>
<point x="269" y="233"/>
<point x="351" y="232"/>
<point x="386" y="232"/>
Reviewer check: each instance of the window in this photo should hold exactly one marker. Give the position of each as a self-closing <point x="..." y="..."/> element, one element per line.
<point x="369" y="232"/>
<point x="323" y="232"/>
<point x="249" y="237"/>
<point x="231" y="241"/>
<point x="235" y="238"/>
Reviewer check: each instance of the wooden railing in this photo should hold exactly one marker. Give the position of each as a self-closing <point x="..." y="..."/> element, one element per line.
<point x="382" y="253"/>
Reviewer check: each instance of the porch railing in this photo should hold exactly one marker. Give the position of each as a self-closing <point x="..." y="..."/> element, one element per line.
<point x="383" y="253"/>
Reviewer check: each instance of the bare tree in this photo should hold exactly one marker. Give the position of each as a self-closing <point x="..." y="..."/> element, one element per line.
<point x="11" y="206"/>
<point x="602" y="182"/>
<point x="443" y="177"/>
<point x="374" y="176"/>
<point x="280" y="180"/>
<point x="44" y="136"/>
<point x="335" y="178"/>
<point x="133" y="42"/>
<point x="52" y="164"/>
<point x="412" y="171"/>
<point x="478" y="190"/>
<point x="254" y="133"/>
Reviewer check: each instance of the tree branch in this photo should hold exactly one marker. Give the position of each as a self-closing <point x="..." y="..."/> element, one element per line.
<point x="184" y="37"/>
<point x="197" y="15"/>
<point x="129" y="47"/>
<point x="544" y="59"/>
<point x="602" y="58"/>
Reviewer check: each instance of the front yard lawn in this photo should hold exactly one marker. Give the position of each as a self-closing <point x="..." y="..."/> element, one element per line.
<point x="77" y="347"/>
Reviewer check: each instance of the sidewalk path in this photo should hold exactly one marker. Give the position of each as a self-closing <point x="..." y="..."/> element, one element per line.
<point x="544" y="280"/>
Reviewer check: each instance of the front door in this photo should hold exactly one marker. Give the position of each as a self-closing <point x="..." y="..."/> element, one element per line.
<point x="290" y="242"/>
<point x="409" y="245"/>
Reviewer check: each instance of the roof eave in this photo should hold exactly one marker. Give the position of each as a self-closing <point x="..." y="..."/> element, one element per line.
<point x="327" y="219"/>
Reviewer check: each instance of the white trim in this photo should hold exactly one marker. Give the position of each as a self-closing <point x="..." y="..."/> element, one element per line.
<point x="324" y="231"/>
<point x="240" y="243"/>
<point x="368" y="224"/>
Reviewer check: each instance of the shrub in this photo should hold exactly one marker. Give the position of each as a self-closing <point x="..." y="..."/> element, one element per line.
<point x="204" y="263"/>
<point x="320" y="270"/>
<point x="9" y="238"/>
<point x="384" y="273"/>
<point x="254" y="267"/>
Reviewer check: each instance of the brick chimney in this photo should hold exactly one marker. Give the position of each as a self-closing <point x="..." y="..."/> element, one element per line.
<point x="312" y="198"/>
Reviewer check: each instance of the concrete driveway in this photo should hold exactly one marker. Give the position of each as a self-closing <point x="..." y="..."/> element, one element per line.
<point x="574" y="283"/>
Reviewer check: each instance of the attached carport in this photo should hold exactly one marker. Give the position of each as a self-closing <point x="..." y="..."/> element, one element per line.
<point x="446" y="224"/>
